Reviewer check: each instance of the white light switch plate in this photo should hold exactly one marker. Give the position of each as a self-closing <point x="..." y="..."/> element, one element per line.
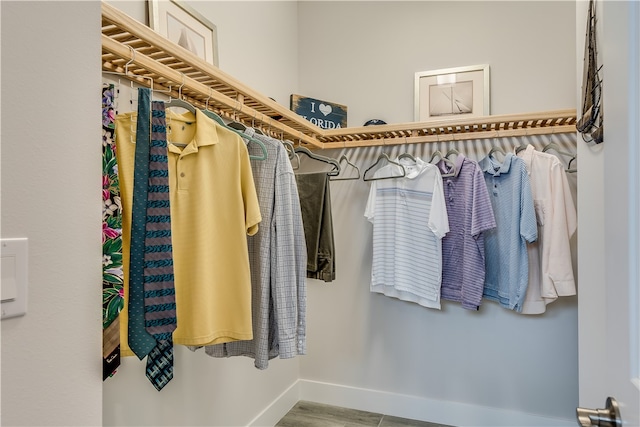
<point x="14" y="277"/>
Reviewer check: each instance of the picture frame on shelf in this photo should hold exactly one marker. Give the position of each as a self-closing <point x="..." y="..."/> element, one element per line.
<point x="185" y="26"/>
<point x="452" y="92"/>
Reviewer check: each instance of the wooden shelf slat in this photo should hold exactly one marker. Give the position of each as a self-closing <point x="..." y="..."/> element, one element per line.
<point x="147" y="55"/>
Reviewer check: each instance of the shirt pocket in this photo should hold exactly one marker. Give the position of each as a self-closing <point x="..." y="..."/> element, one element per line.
<point x="540" y="207"/>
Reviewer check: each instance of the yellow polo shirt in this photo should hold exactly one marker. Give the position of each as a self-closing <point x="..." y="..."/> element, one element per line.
<point x="213" y="207"/>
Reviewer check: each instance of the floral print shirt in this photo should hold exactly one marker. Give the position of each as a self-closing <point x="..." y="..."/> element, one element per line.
<point x="112" y="275"/>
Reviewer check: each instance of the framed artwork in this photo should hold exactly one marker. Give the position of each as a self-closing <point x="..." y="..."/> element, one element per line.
<point x="452" y="92"/>
<point x="183" y="25"/>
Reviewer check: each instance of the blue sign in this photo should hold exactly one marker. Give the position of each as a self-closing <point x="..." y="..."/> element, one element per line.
<point x="325" y="115"/>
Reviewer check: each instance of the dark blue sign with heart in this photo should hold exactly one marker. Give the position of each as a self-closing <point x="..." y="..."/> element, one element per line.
<point x="324" y="114"/>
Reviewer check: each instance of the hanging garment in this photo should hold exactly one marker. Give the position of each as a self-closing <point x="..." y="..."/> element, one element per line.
<point x="315" y="204"/>
<point x="550" y="266"/>
<point x="112" y="276"/>
<point x="506" y="245"/>
<point x="409" y="218"/>
<point x="141" y="342"/>
<point x="470" y="214"/>
<point x="213" y="207"/>
<point x="159" y="291"/>
<point x="278" y="260"/>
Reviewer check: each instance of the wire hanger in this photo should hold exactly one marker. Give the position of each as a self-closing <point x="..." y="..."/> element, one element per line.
<point x="304" y="150"/>
<point x="438" y="155"/>
<point x="383" y="157"/>
<point x="572" y="157"/>
<point x="496" y="149"/>
<point x="253" y="125"/>
<point x="295" y="160"/>
<point x="288" y="145"/>
<point x="126" y="70"/>
<point x="345" y="159"/>
<point x="521" y="147"/>
<point x="569" y="169"/>
<point x="240" y="129"/>
<point x="524" y="144"/>
<point x="241" y="134"/>
<point x="452" y="152"/>
<point x="126" y="74"/>
<point x="179" y="102"/>
<point x="211" y="114"/>
<point x="406" y="154"/>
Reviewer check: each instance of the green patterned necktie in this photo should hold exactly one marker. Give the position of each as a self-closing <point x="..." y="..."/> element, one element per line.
<point x="140" y="341"/>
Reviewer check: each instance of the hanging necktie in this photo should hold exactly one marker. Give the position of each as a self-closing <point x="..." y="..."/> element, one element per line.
<point x="140" y="341"/>
<point x="159" y="290"/>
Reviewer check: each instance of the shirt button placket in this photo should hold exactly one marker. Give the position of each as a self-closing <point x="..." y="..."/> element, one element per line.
<point x="182" y="182"/>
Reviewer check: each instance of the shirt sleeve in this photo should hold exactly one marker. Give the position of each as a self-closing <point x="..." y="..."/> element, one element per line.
<point x="482" y="217"/>
<point x="288" y="266"/>
<point x="438" y="217"/>
<point x="369" y="211"/>
<point x="528" y="229"/>
<point x="559" y="278"/>
<point x="528" y="223"/>
<point x="252" y="214"/>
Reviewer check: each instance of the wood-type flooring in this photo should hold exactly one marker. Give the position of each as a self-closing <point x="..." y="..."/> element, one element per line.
<point x="310" y="414"/>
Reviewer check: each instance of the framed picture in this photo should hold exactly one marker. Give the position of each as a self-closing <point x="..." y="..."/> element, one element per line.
<point x="452" y="92"/>
<point x="184" y="26"/>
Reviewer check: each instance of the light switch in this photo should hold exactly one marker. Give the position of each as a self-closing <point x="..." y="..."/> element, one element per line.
<point x="9" y="289"/>
<point x="13" y="272"/>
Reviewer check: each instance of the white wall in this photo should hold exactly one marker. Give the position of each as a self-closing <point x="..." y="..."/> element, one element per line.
<point x="51" y="367"/>
<point x="205" y="390"/>
<point x="490" y="359"/>
<point x="609" y="264"/>
<point x="593" y="322"/>
<point x="258" y="43"/>
<point x="364" y="55"/>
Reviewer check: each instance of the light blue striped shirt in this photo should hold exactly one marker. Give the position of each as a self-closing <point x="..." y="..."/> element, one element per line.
<point x="507" y="265"/>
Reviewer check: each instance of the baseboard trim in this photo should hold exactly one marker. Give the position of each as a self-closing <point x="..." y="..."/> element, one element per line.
<point x="278" y="408"/>
<point x="400" y="405"/>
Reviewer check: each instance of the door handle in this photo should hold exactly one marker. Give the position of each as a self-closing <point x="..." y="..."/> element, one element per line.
<point x="608" y="417"/>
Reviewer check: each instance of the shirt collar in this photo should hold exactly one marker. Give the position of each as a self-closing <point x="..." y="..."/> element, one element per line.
<point x="250" y="132"/>
<point x="444" y="166"/>
<point x="494" y="167"/>
<point x="459" y="161"/>
<point x="527" y="156"/>
<point x="206" y="130"/>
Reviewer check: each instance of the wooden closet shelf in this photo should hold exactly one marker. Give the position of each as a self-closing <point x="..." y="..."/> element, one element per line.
<point x="498" y="126"/>
<point x="144" y="55"/>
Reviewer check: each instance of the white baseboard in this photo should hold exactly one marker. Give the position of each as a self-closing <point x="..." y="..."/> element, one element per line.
<point x="401" y="405"/>
<point x="278" y="408"/>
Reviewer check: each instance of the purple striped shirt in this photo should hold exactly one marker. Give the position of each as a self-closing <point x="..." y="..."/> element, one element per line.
<point x="470" y="213"/>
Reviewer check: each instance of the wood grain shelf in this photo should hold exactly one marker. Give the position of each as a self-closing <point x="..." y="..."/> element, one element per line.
<point x="149" y="59"/>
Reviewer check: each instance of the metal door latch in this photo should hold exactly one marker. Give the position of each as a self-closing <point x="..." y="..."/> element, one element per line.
<point x="608" y="417"/>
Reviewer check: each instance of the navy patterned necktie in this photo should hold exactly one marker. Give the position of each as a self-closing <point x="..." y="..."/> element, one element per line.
<point x="159" y="290"/>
